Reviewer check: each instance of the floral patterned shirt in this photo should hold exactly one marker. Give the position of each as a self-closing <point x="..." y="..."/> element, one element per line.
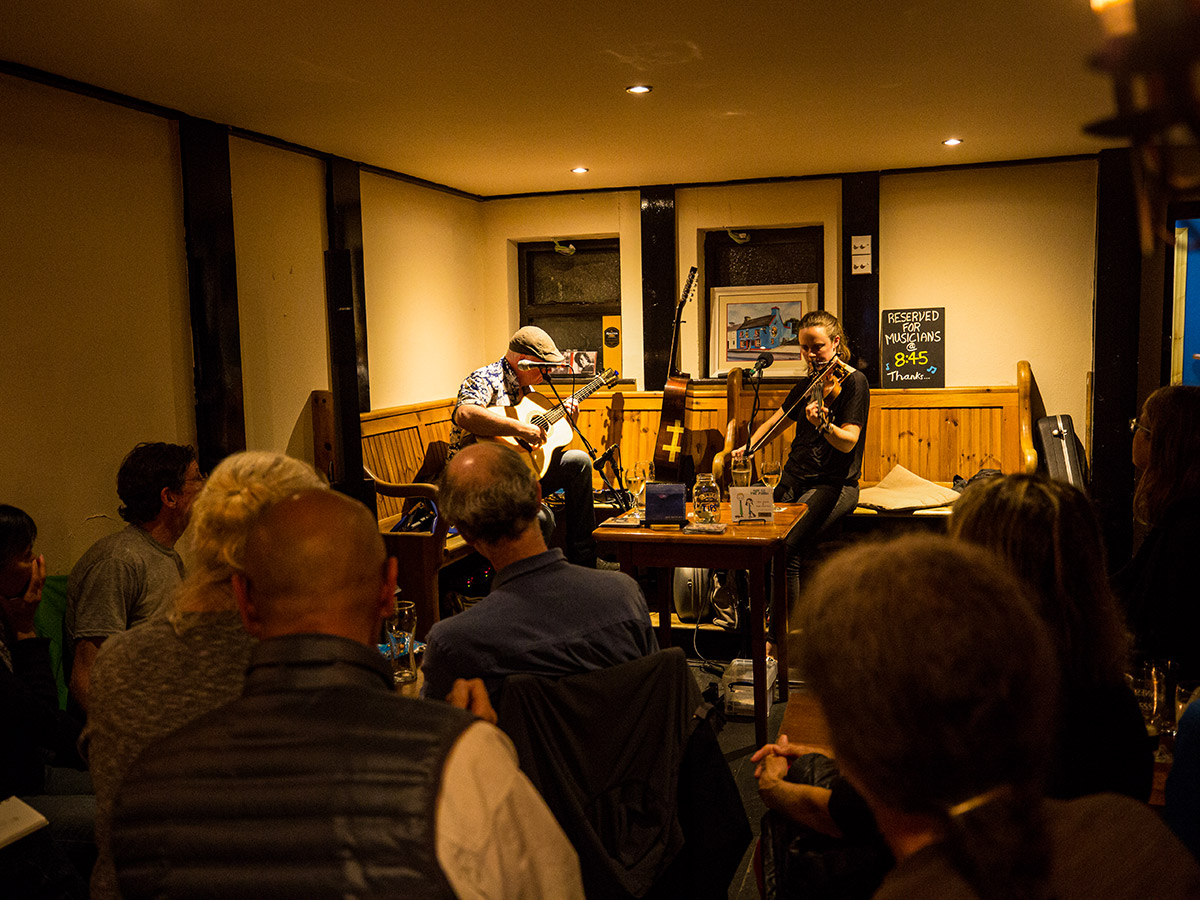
<point x="492" y="385"/>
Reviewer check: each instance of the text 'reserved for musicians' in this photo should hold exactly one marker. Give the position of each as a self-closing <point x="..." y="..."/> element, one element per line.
<point x="913" y="348"/>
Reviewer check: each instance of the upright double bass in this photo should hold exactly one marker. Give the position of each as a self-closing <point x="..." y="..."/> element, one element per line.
<point x="669" y="446"/>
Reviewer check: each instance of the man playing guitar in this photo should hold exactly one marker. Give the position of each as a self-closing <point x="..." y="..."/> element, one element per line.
<point x="478" y="414"/>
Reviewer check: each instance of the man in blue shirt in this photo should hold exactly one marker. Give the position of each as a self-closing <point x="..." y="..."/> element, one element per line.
<point x="479" y="413"/>
<point x="543" y="616"/>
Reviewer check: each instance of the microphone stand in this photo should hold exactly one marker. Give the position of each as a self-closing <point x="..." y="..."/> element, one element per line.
<point x="753" y="412"/>
<point x="591" y="451"/>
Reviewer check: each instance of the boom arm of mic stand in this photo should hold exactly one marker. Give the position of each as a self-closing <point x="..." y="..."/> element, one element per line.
<point x="591" y="451"/>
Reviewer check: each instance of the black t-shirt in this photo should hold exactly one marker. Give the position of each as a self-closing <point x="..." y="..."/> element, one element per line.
<point x="812" y="459"/>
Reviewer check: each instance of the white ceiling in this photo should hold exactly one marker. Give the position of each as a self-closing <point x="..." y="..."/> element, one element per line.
<point x="495" y="98"/>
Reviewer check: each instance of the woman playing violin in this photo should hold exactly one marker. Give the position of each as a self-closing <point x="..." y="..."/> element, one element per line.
<point x="825" y="459"/>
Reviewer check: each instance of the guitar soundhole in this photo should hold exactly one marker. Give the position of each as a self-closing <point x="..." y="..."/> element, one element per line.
<point x="540" y="422"/>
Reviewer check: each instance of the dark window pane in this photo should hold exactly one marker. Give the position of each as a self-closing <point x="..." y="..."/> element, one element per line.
<point x="571" y="332"/>
<point x="591" y="275"/>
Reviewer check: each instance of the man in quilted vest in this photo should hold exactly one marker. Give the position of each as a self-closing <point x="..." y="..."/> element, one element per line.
<point x="321" y="781"/>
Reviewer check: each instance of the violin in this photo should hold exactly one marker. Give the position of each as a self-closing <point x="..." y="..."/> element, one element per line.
<point x="830" y="381"/>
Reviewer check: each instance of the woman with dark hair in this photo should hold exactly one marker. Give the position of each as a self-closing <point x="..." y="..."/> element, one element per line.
<point x="938" y="681"/>
<point x="825" y="459"/>
<point x="1159" y="586"/>
<point x="1048" y="534"/>
<point x="33" y="730"/>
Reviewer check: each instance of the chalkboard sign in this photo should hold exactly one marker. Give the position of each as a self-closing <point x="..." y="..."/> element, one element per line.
<point x="914" y="347"/>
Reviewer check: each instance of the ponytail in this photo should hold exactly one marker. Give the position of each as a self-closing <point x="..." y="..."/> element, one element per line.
<point x="997" y="842"/>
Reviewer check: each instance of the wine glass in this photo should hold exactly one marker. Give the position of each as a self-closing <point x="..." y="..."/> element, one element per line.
<point x="1185" y="692"/>
<point x="638" y="476"/>
<point x="771" y="471"/>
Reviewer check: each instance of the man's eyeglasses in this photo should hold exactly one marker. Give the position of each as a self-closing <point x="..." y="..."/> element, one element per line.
<point x="1134" y="425"/>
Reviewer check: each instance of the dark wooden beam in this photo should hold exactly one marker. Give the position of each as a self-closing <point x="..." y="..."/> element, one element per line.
<point x="860" y="293"/>
<point x="1115" y="365"/>
<point x="212" y="289"/>
<point x="659" y="261"/>
<point x="346" y="317"/>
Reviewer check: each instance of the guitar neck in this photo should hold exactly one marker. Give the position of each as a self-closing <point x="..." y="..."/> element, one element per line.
<point x="688" y="287"/>
<point x="553" y="415"/>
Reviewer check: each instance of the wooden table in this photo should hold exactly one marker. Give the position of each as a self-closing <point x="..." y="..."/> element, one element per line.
<point x="751" y="547"/>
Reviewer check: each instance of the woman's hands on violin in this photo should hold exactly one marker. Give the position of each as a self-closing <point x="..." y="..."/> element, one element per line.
<point x="840" y="437"/>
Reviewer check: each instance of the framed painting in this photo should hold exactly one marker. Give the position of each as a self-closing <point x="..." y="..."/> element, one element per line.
<point x="745" y="321"/>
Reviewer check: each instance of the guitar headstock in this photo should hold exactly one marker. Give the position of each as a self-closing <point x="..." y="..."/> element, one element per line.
<point x="689" y="287"/>
<point x="609" y="376"/>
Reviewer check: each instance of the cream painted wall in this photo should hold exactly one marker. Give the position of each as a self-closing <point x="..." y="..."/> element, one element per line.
<point x="93" y="307"/>
<point x="280" y="238"/>
<point x="789" y="204"/>
<point x="566" y="217"/>
<point x="1010" y="253"/>
<point x="426" y="310"/>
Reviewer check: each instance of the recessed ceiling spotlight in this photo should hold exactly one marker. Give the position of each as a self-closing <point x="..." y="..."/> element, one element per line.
<point x="952" y="142"/>
<point x="638" y="89"/>
<point x="580" y="170"/>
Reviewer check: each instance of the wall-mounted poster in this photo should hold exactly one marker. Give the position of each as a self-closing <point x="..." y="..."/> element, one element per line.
<point x="747" y="320"/>
<point x="576" y="362"/>
<point x="913" y="348"/>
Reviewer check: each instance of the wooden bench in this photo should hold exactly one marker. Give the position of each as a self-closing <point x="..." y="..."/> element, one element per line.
<point x="935" y="433"/>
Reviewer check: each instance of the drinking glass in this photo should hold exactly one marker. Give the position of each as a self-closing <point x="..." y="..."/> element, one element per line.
<point x="771" y="471"/>
<point x="1149" y="686"/>
<point x="400" y="627"/>
<point x="1185" y="692"/>
<point x="740" y="469"/>
<point x="638" y="476"/>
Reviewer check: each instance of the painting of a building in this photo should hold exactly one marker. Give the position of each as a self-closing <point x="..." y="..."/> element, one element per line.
<point x="760" y="333"/>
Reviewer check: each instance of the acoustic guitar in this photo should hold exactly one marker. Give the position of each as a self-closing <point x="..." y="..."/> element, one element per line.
<point x="537" y="409"/>
<point x="669" y="446"/>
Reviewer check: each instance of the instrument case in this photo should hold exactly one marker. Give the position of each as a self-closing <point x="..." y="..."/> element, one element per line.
<point x="1061" y="452"/>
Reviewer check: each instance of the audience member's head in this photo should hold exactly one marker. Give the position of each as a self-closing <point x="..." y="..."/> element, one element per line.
<point x="239" y="489"/>
<point x="490" y="493"/>
<point x="1047" y="532"/>
<point x="1167" y="448"/>
<point x="17" y="534"/>
<point x="938" y="681"/>
<point x="147" y="471"/>
<point x="315" y="564"/>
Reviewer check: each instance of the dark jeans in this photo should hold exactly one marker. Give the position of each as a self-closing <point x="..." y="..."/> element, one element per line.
<point x="802" y="864"/>
<point x="54" y="862"/>
<point x="573" y="474"/>
<point x="826" y="504"/>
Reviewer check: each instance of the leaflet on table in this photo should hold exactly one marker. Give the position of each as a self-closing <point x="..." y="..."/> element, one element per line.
<point x="752" y="505"/>
<point x="631" y="519"/>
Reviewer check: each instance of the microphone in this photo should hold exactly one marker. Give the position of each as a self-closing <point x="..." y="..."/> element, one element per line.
<point x="764" y="361"/>
<point x="536" y="364"/>
<point x="605" y="458"/>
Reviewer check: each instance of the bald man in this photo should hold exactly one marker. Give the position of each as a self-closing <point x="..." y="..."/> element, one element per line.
<point x="321" y="781"/>
<point x="543" y="615"/>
